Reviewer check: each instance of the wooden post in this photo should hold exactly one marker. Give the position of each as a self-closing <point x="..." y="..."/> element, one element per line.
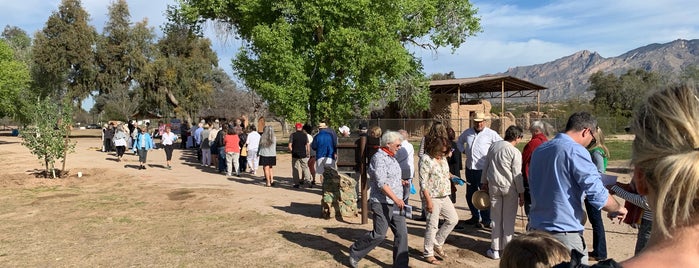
<point x="363" y="180"/>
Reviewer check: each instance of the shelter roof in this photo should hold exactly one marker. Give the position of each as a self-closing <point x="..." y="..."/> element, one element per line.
<point x="487" y="86"/>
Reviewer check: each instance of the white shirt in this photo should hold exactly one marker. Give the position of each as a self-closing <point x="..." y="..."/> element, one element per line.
<point x="168" y="138"/>
<point x="253" y="141"/>
<point x="406" y="159"/>
<point x="478" y="145"/>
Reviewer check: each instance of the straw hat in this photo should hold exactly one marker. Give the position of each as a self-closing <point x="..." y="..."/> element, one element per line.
<point x="481" y="200"/>
<point x="480" y="116"/>
<point x="322" y="125"/>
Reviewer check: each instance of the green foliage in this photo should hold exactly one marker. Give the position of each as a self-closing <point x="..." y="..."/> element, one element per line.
<point x="618" y="96"/>
<point x="180" y="75"/>
<point x="46" y="137"/>
<point x="619" y="149"/>
<point x="14" y="76"/>
<point x="63" y="54"/>
<point x="330" y="60"/>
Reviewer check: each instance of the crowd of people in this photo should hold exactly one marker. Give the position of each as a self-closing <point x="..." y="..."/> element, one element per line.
<point x="559" y="183"/>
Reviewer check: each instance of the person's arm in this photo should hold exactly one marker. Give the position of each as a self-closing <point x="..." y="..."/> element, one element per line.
<point x="460" y="142"/>
<point x="423" y="178"/>
<point x="389" y="193"/>
<point x="598" y="160"/>
<point x="290" y="139"/>
<point x="636" y="199"/>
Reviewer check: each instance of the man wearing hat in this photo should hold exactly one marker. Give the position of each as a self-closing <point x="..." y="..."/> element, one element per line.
<point x="326" y="150"/>
<point x="300" y="152"/>
<point x="478" y="140"/>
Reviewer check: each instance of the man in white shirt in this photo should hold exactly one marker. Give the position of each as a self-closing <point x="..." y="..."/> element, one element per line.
<point x="253" y="143"/>
<point x="478" y="140"/>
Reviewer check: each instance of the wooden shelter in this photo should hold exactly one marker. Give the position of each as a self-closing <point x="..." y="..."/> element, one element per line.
<point x="485" y="87"/>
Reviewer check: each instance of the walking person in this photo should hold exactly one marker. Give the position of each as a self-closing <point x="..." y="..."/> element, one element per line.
<point x="232" y="144"/>
<point x="268" y="154"/>
<point x="300" y="149"/>
<point x="142" y="145"/>
<point x="205" y="146"/>
<point x="599" y="155"/>
<point x="243" y="160"/>
<point x="120" y="140"/>
<point x="253" y="143"/>
<point x="213" y="133"/>
<point x="502" y="179"/>
<point x="561" y="174"/>
<point x="538" y="130"/>
<point x="437" y="130"/>
<point x="221" y="148"/>
<point x="406" y="159"/>
<point x="455" y="163"/>
<point x="478" y="139"/>
<point x="325" y="146"/>
<point x="168" y="139"/>
<point x="435" y="187"/>
<point x="386" y="197"/>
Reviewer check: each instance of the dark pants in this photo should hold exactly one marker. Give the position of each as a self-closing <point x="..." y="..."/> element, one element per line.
<point x="383" y="219"/>
<point x="222" y="159"/>
<point x="168" y="152"/>
<point x="643" y="235"/>
<point x="142" y="155"/>
<point x="243" y="161"/>
<point x="107" y="145"/>
<point x="120" y="150"/>
<point x="527" y="198"/>
<point x="474" y="179"/>
<point x="599" y="241"/>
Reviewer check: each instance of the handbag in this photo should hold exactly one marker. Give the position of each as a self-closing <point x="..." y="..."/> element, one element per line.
<point x="244" y="150"/>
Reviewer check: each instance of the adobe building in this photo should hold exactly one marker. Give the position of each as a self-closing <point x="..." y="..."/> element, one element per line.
<point x="456" y="101"/>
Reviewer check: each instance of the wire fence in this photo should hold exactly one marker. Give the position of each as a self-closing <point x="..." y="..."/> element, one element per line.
<point x="419" y="127"/>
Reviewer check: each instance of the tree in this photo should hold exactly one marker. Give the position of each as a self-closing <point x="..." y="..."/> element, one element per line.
<point x="333" y="59"/>
<point x="181" y="74"/>
<point x="14" y="77"/>
<point x="618" y="96"/>
<point x="47" y="136"/>
<point x="229" y="101"/>
<point x="20" y="43"/>
<point x="63" y="54"/>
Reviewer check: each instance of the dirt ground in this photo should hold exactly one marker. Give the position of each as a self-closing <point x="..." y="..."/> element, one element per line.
<point x="118" y="216"/>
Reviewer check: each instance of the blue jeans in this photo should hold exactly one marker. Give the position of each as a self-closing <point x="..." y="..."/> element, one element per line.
<point x="599" y="241"/>
<point x="221" y="159"/>
<point x="474" y="179"/>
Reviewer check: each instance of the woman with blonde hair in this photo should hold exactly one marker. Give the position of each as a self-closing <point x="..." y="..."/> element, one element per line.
<point x="599" y="154"/>
<point x="665" y="156"/>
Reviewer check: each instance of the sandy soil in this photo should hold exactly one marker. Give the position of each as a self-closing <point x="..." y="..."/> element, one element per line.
<point x="118" y="216"/>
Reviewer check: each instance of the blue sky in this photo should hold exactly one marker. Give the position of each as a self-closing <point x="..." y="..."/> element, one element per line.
<point x="515" y="33"/>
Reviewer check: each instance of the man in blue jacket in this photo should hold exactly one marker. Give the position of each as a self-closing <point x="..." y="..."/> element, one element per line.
<point x="325" y="144"/>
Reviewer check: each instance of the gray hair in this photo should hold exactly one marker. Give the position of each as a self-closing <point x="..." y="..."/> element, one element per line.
<point x="390" y="136"/>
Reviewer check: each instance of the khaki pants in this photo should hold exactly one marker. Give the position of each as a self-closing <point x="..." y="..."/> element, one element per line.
<point x="300" y="165"/>
<point x="435" y="237"/>
<point x="232" y="159"/>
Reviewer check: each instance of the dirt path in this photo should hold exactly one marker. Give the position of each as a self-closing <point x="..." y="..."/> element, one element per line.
<point x="118" y="216"/>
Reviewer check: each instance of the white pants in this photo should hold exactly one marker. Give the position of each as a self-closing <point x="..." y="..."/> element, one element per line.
<point x="503" y="212"/>
<point x="232" y="162"/>
<point x="253" y="159"/>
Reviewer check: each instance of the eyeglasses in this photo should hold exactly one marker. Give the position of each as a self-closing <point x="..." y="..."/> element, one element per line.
<point x="593" y="142"/>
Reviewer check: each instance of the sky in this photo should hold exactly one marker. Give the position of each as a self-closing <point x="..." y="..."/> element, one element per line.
<point x="515" y="32"/>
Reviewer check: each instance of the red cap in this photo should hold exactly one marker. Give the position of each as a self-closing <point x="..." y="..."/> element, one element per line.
<point x="299" y="125"/>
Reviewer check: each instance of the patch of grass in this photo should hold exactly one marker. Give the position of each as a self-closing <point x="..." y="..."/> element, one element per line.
<point x="123" y="220"/>
<point x="619" y="149"/>
<point x="43" y="189"/>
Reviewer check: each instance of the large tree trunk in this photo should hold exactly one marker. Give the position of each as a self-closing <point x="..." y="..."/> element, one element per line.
<point x="170" y="97"/>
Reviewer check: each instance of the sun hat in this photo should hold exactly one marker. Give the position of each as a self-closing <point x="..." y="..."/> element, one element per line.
<point x="481" y="200"/>
<point x="480" y="116"/>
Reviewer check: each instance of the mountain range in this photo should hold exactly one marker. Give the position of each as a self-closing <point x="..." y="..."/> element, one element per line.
<point x="567" y="77"/>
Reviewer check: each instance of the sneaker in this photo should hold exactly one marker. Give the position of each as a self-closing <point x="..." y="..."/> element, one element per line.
<point x="169" y="167"/>
<point x="353" y="263"/>
<point x="296" y="186"/>
<point x="493" y="254"/>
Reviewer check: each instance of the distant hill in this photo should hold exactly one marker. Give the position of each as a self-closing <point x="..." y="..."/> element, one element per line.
<point x="567" y="77"/>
